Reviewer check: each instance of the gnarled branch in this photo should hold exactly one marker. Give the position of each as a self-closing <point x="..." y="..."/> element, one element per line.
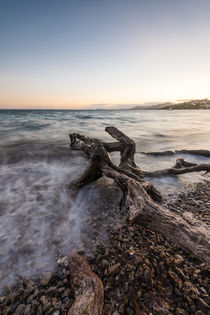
<point x="142" y="197"/>
<point x="181" y="167"/>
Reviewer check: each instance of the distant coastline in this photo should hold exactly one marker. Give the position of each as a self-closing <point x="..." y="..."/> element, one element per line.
<point x="192" y="104"/>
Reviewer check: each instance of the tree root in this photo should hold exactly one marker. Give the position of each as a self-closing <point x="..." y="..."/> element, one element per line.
<point x="181" y="167"/>
<point x="141" y="197"/>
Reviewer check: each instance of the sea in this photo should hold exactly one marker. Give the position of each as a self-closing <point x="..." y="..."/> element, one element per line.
<point x="40" y="221"/>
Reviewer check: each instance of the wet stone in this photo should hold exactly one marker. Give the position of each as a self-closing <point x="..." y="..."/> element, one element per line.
<point x="47" y="307"/>
<point x="14" y="306"/>
<point x="27" y="309"/>
<point x="180" y="311"/>
<point x="46" y="278"/>
<point x="58" y="305"/>
<point x="20" y="309"/>
<point x="52" y="290"/>
<point x="39" y="310"/>
<point x="130" y="311"/>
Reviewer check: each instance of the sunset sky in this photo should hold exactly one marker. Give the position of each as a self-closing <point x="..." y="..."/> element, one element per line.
<point x="103" y="53"/>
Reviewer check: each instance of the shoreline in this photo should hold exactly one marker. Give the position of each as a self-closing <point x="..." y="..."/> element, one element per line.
<point x="140" y="271"/>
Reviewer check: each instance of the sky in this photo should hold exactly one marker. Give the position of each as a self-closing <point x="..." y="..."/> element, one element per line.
<point x="104" y="53"/>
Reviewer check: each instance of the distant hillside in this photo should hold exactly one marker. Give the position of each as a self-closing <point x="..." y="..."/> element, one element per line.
<point x="193" y="104"/>
<point x="155" y="106"/>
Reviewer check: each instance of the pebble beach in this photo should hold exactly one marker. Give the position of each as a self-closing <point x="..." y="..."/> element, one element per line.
<point x="141" y="271"/>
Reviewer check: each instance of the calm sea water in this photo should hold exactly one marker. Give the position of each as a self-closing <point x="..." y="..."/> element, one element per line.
<point x="36" y="166"/>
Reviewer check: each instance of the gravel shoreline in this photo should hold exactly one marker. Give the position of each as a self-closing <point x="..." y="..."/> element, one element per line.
<point x="141" y="271"/>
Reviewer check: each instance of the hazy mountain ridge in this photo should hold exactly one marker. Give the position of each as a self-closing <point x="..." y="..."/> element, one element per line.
<point x="192" y="104"/>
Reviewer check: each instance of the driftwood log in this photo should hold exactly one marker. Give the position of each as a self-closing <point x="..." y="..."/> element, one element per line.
<point x="141" y="198"/>
<point x="143" y="202"/>
<point x="87" y="286"/>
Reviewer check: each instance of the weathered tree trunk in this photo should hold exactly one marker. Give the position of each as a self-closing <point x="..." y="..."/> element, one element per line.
<point x="87" y="286"/>
<point x="142" y="197"/>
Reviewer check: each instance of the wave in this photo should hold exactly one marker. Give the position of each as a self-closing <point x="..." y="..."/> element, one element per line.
<point x="37" y="216"/>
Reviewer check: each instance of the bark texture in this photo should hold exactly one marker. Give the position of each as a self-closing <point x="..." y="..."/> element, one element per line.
<point x="142" y="198"/>
<point x="87" y="286"/>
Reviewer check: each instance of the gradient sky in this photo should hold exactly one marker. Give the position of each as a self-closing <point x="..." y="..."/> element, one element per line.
<point x="75" y="54"/>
